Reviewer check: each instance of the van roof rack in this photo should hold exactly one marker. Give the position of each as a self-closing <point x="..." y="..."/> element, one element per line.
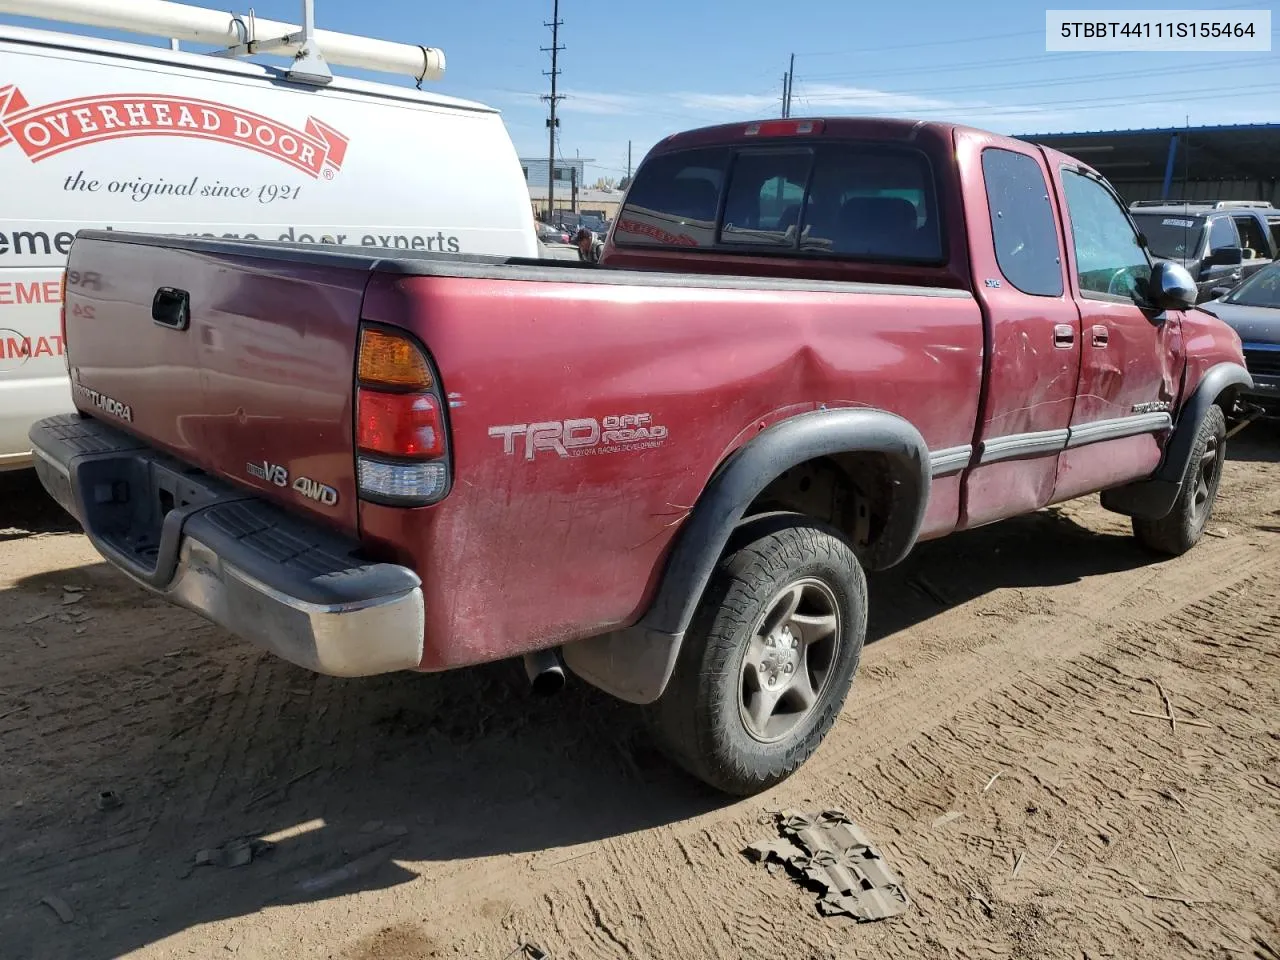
<point x="244" y="35"/>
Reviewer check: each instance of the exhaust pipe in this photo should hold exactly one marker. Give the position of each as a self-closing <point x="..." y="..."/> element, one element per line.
<point x="545" y="670"/>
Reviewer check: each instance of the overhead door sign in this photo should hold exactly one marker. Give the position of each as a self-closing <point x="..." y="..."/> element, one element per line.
<point x="46" y="131"/>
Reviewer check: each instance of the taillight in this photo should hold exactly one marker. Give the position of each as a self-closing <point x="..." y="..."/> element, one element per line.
<point x="402" y="452"/>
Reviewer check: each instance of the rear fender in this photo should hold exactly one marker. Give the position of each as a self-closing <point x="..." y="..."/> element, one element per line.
<point x="635" y="663"/>
<point x="1154" y="497"/>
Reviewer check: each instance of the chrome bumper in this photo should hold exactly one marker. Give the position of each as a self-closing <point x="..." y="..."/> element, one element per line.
<point x="279" y="582"/>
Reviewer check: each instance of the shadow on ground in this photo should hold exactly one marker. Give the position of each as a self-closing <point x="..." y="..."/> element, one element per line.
<point x="207" y="742"/>
<point x="25" y="508"/>
<point x="1259" y="442"/>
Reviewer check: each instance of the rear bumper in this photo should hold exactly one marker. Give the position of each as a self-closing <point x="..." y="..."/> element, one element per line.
<point x="289" y="586"/>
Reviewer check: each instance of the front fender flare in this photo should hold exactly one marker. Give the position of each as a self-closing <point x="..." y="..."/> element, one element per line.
<point x="1154" y="497"/>
<point x="635" y="663"/>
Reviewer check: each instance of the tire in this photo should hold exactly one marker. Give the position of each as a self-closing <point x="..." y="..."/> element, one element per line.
<point x="713" y="718"/>
<point x="1180" y="530"/>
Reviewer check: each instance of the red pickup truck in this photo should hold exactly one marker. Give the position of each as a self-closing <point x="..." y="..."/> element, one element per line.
<point x="809" y="345"/>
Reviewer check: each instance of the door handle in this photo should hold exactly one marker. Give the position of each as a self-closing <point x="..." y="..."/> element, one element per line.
<point x="1101" y="335"/>
<point x="1064" y="335"/>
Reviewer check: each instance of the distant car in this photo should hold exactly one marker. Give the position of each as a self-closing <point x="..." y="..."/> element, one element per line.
<point x="1252" y="309"/>
<point x="549" y="234"/>
<point x="1219" y="243"/>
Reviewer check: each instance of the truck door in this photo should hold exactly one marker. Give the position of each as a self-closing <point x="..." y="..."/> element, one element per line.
<point x="1131" y="356"/>
<point x="1032" y="334"/>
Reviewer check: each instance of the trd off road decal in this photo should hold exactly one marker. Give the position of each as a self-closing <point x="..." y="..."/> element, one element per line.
<point x="584" y="437"/>
<point x="45" y="131"/>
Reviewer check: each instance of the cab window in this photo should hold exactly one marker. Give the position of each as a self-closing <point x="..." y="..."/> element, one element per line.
<point x="1022" y="224"/>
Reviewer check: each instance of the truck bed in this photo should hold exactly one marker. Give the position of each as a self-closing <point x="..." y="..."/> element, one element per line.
<point x="264" y="374"/>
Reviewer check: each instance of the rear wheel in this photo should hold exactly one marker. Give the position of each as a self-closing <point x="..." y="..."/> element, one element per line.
<point x="768" y="660"/>
<point x="1180" y="530"/>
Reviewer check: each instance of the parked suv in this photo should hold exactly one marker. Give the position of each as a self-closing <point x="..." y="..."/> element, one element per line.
<point x="1220" y="243"/>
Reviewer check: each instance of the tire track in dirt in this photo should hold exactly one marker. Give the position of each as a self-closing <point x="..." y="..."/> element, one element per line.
<point x="1105" y="819"/>
<point x="1035" y="681"/>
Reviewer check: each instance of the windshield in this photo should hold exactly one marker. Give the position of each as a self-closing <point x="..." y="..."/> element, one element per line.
<point x="1260" y="290"/>
<point x="1171" y="237"/>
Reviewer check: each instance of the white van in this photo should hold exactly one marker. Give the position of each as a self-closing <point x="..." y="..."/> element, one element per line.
<point x="101" y="134"/>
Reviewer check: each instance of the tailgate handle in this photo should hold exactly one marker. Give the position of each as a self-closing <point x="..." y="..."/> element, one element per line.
<point x="171" y="307"/>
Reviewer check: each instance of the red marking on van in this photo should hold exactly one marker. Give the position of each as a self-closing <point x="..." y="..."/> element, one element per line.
<point x="41" y="132"/>
<point x="17" y="293"/>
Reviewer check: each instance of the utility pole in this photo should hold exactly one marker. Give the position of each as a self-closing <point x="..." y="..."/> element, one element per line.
<point x="628" y="159"/>
<point x="552" y="123"/>
<point x="791" y="82"/>
<point x="785" y="78"/>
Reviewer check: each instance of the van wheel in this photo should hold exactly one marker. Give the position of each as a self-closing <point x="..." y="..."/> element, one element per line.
<point x="768" y="660"/>
<point x="1180" y="530"/>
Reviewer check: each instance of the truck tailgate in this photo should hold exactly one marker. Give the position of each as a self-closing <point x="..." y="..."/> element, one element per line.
<point x="251" y="380"/>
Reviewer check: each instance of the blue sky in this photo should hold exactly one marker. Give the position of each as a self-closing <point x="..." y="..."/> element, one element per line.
<point x="641" y="71"/>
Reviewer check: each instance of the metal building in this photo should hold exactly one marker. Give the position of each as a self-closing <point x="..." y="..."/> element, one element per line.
<point x="1239" y="162"/>
<point x="567" y="171"/>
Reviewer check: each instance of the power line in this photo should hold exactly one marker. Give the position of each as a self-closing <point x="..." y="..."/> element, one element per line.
<point x="926" y="43"/>
<point x="1206" y="93"/>
<point x="1061" y="81"/>
<point x="947" y="67"/>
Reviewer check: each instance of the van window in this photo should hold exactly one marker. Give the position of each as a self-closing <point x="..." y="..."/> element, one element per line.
<point x="1026" y="238"/>
<point x="857" y="200"/>
<point x="1252" y="238"/>
<point x="1222" y="234"/>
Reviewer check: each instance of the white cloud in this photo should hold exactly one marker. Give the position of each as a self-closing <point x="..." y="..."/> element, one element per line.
<point x="600" y="103"/>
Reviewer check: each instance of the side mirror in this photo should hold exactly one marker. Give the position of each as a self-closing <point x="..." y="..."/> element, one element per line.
<point x="1172" y="287"/>
<point x="1218" y="292"/>
<point x="1226" y="257"/>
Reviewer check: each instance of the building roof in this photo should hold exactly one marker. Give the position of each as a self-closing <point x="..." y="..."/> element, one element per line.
<point x="1231" y="152"/>
<point x="564" y="192"/>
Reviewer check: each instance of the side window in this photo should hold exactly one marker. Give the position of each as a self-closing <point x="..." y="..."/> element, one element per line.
<point x="1222" y="233"/>
<point x="766" y="192"/>
<point x="1252" y="238"/>
<point x="1109" y="260"/>
<point x="1026" y="238"/>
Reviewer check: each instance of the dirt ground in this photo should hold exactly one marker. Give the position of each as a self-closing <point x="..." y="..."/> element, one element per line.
<point x="440" y="816"/>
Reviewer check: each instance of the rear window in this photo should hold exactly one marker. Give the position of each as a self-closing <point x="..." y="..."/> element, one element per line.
<point x="855" y="200"/>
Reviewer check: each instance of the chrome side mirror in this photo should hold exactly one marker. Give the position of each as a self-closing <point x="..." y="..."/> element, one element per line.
<point x="1172" y="287"/>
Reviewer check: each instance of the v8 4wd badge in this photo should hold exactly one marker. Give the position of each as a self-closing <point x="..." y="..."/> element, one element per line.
<point x="583" y="437"/>
<point x="274" y="473"/>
